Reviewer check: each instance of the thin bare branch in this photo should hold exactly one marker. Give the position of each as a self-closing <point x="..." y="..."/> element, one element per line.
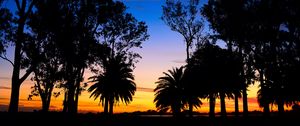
<point x="5" y="58"/>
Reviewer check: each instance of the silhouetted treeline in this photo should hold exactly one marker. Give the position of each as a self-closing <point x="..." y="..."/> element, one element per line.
<point x="262" y="40"/>
<point x="58" y="40"/>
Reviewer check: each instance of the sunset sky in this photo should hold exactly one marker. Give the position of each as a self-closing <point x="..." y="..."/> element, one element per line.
<point x="165" y="49"/>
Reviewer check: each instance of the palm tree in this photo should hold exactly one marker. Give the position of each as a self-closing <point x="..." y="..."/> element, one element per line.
<point x="169" y="91"/>
<point x="115" y="84"/>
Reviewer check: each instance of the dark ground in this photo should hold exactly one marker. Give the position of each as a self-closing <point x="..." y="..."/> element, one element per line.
<point x="61" y="119"/>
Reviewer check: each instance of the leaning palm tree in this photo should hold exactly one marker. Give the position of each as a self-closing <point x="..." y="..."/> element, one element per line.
<point x="115" y="84"/>
<point x="169" y="91"/>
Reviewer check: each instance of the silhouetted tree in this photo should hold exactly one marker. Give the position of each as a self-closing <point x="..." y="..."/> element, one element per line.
<point x="169" y="92"/>
<point x="22" y="60"/>
<point x="184" y="19"/>
<point x="115" y="84"/>
<point x="120" y="33"/>
<point x="218" y="72"/>
<point x="46" y="76"/>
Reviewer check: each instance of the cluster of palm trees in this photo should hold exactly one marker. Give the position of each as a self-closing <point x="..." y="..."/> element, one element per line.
<point x="212" y="73"/>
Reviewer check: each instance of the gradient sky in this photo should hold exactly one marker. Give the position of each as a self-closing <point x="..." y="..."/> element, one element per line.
<point x="165" y="49"/>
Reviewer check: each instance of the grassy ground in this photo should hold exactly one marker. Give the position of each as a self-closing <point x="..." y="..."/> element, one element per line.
<point x="60" y="119"/>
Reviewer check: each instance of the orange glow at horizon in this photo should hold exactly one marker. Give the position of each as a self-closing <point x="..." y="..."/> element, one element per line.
<point x="142" y="101"/>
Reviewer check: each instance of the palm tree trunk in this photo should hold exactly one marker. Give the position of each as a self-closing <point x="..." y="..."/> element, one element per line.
<point x="212" y="101"/>
<point x="106" y="106"/>
<point x="236" y="104"/>
<point x="111" y="106"/>
<point x="266" y="109"/>
<point x="190" y="109"/>
<point x="223" y="106"/>
<point x="280" y="106"/>
<point x="174" y="110"/>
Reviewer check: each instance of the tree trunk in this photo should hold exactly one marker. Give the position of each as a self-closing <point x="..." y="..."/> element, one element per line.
<point x="223" y="106"/>
<point x="236" y="104"/>
<point x="266" y="109"/>
<point x="265" y="94"/>
<point x="187" y="60"/>
<point x="175" y="110"/>
<point x="49" y="95"/>
<point x="76" y="96"/>
<point x="190" y="109"/>
<point x="14" y="97"/>
<point x="212" y="101"/>
<point x="79" y="77"/>
<point x="15" y="82"/>
<point x="111" y="106"/>
<point x="44" y="105"/>
<point x="65" y="109"/>
<point x="70" y="101"/>
<point x="245" y="100"/>
<point x="245" y="85"/>
<point x="280" y="107"/>
<point x="187" y="52"/>
<point x="266" y="105"/>
<point x="106" y="106"/>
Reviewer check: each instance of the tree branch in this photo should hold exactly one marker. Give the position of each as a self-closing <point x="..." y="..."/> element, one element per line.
<point x="95" y="30"/>
<point x="18" y="5"/>
<point x="5" y="58"/>
<point x="29" y="8"/>
<point x="28" y="72"/>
